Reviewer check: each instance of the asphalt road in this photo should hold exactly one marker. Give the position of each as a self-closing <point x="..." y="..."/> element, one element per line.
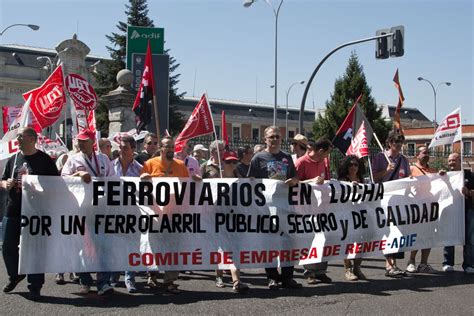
<point x="419" y="294"/>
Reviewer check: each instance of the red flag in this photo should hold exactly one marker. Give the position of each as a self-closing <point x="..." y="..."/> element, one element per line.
<point x="144" y="100"/>
<point x="9" y="115"/>
<point x="200" y="123"/>
<point x="48" y="100"/>
<point x="225" y="136"/>
<point x="359" y="145"/>
<point x="401" y="98"/>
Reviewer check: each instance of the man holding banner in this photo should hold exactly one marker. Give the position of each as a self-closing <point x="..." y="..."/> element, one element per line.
<point x="28" y="161"/>
<point x="272" y="163"/>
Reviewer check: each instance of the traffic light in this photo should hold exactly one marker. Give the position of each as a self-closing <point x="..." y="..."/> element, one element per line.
<point x="381" y="45"/>
<point x="397" y="47"/>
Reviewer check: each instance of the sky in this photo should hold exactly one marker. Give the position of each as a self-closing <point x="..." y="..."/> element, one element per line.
<point x="228" y="50"/>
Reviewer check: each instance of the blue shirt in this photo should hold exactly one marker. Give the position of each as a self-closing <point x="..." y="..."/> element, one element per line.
<point x="133" y="169"/>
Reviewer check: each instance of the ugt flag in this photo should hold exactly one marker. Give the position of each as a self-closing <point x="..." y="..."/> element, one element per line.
<point x="345" y="134"/>
<point x="146" y="92"/>
<point x="200" y="123"/>
<point x="449" y="131"/>
<point x="48" y="100"/>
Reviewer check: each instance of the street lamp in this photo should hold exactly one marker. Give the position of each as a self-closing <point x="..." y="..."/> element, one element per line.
<point x="31" y="26"/>
<point x="434" y="93"/>
<point x="248" y="3"/>
<point x="287" y="93"/>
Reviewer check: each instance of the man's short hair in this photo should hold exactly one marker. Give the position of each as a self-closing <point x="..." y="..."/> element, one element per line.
<point x="272" y="127"/>
<point x="321" y="143"/>
<point x="241" y="151"/>
<point x="215" y="144"/>
<point x="30" y="131"/>
<point x="129" y="140"/>
<point x="103" y="142"/>
<point x="393" y="136"/>
<point x="149" y="135"/>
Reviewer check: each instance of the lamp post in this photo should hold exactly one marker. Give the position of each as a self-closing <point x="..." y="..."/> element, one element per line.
<point x="435" y="90"/>
<point x="248" y="3"/>
<point x="287" y="94"/>
<point x="31" y="26"/>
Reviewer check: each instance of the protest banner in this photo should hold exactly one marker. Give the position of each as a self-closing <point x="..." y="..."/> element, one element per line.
<point x="119" y="224"/>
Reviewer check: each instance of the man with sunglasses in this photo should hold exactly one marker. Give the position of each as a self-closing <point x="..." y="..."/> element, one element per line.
<point x="150" y="145"/>
<point x="272" y="163"/>
<point x="384" y="171"/>
<point x="28" y="160"/>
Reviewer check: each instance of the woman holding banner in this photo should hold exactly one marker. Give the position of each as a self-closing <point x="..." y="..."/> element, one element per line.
<point x="351" y="170"/>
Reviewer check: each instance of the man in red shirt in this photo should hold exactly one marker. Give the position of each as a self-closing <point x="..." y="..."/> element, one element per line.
<point x="312" y="167"/>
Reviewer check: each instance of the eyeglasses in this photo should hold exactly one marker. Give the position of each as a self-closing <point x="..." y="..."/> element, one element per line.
<point x="354" y="164"/>
<point x="168" y="146"/>
<point x="231" y="161"/>
<point x="273" y="137"/>
<point x="152" y="143"/>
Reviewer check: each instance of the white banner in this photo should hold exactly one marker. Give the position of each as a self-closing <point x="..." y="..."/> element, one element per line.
<point x="119" y="224"/>
<point x="449" y="130"/>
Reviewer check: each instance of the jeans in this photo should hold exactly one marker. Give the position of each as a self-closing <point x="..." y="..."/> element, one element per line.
<point x="468" y="249"/>
<point x="103" y="278"/>
<point x="129" y="275"/>
<point x="11" y="241"/>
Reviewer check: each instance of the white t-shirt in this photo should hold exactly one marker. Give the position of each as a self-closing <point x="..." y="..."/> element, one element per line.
<point x="100" y="167"/>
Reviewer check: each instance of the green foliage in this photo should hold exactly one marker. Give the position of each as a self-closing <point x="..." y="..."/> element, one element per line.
<point x="137" y="15"/>
<point x="346" y="91"/>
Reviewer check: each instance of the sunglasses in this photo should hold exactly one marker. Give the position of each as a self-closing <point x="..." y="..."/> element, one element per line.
<point x="274" y="137"/>
<point x="231" y="161"/>
<point x="152" y="143"/>
<point x="354" y="164"/>
<point x="168" y="146"/>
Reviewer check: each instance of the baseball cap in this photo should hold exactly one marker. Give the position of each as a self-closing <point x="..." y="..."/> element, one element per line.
<point x="200" y="147"/>
<point x="86" y="134"/>
<point x="230" y="155"/>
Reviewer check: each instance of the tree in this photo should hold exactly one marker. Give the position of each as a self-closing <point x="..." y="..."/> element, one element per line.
<point x="346" y="91"/>
<point x="137" y="15"/>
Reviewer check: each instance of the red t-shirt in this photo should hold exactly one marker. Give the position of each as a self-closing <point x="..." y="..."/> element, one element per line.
<point x="307" y="168"/>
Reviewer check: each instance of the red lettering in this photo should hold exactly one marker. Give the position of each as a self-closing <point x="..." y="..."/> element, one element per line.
<point x="132" y="259"/>
<point x="244" y="257"/>
<point x="313" y="253"/>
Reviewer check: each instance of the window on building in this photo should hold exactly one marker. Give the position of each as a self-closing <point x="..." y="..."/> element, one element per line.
<point x="218" y="131"/>
<point x="411" y="149"/>
<point x="447" y="149"/>
<point x="236" y="132"/>
<point x="291" y="134"/>
<point x="255" y="133"/>
<point x="467" y="148"/>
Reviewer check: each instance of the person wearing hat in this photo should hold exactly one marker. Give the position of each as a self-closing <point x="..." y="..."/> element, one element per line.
<point x="298" y="146"/>
<point x="200" y="152"/>
<point x="85" y="164"/>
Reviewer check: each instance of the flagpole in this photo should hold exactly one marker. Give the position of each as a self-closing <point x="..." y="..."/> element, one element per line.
<point x="215" y="135"/>
<point x="370" y="169"/>
<point x="157" y="120"/>
<point x="381" y="148"/>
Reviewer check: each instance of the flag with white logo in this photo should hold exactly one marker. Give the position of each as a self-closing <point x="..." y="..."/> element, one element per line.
<point x="146" y="92"/>
<point x="9" y="143"/>
<point x="449" y="131"/>
<point x="48" y="100"/>
<point x="200" y="123"/>
<point x="353" y="122"/>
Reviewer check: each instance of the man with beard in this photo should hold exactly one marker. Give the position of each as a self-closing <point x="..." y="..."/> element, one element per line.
<point x="165" y="166"/>
<point x="421" y="168"/>
<point x="28" y="161"/>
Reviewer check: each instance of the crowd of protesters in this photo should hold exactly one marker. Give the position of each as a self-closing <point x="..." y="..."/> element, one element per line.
<point x="308" y="162"/>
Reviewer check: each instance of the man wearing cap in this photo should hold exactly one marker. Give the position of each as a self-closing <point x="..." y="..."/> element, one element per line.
<point x="421" y="168"/>
<point x="200" y="153"/>
<point x="311" y="168"/>
<point x="150" y="145"/>
<point x="298" y="146"/>
<point x="165" y="166"/>
<point x="272" y="163"/>
<point x="28" y="161"/>
<point x="85" y="164"/>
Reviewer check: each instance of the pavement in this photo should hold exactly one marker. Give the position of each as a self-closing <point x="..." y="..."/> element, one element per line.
<point x="418" y="294"/>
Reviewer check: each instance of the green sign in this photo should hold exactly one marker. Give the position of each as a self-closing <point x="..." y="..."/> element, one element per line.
<point x="137" y="41"/>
